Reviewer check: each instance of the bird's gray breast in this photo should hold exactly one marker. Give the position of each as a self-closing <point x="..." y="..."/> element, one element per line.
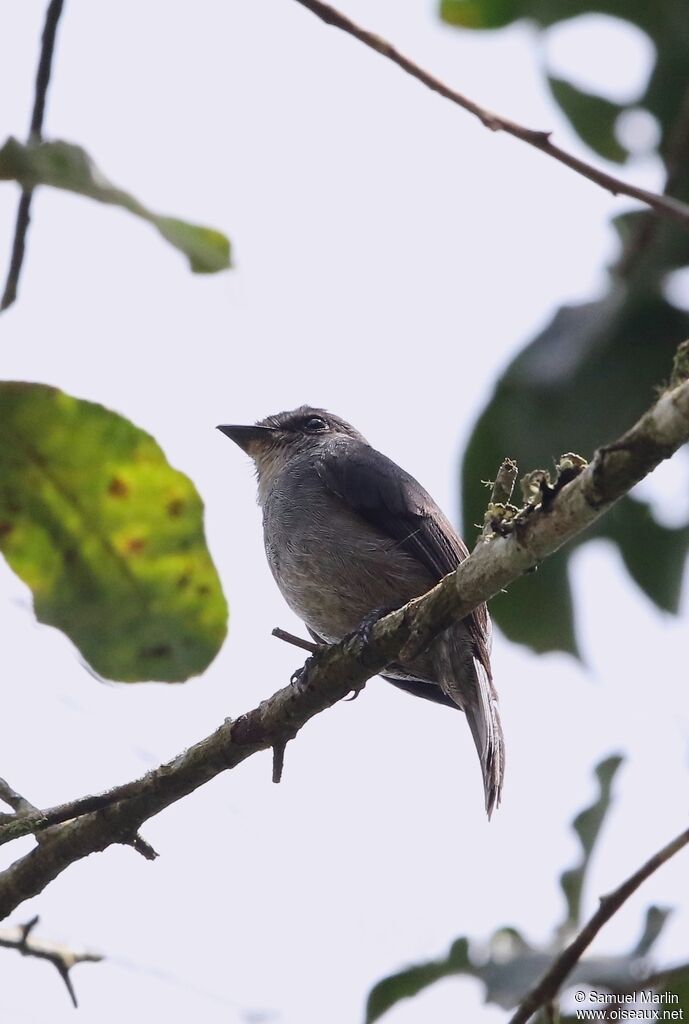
<point x="331" y="566"/>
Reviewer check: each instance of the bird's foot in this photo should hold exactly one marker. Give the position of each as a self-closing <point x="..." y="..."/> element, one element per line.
<point x="362" y="633"/>
<point x="299" y="677"/>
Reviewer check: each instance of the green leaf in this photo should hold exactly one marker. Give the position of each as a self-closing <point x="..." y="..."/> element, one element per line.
<point x="476" y="13"/>
<point x="108" y="537"/>
<point x="587" y="826"/>
<point x="415" y="979"/>
<point x="579" y="384"/>
<point x="538" y="610"/>
<point x="63" y="165"/>
<point x="657" y="18"/>
<point x="676" y="984"/>
<point x="593" y="117"/>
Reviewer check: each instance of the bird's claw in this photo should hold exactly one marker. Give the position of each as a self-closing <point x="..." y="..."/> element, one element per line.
<point x="300" y="675"/>
<point x="362" y="633"/>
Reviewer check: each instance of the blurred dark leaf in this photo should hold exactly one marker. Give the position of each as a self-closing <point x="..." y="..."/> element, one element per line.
<point x="676" y="983"/>
<point x="653" y="554"/>
<point x="410" y="982"/>
<point x="108" y="537"/>
<point x="510" y="970"/>
<point x="587" y="826"/>
<point x="592" y="116"/>
<point x="656" y="919"/>
<point x="63" y="165"/>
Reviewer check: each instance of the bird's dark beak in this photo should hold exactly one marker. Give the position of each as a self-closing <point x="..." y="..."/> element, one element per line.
<point x="245" y="437"/>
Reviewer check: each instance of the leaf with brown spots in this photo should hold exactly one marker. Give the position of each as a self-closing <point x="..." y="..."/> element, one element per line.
<point x="103" y="529"/>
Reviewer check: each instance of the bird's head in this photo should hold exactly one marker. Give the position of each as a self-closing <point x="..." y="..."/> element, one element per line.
<point x="274" y="441"/>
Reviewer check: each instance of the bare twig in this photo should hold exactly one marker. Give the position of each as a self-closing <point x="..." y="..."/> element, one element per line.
<point x="551" y="982"/>
<point x="278" y="760"/>
<point x="45" y="61"/>
<point x="296" y="641"/>
<point x="663" y="205"/>
<point x="63" y="959"/>
<point x="15" y="800"/>
<point x="334" y="671"/>
<point x="143" y="847"/>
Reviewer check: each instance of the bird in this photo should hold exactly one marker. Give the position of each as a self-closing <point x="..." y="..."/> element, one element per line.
<point x="349" y="534"/>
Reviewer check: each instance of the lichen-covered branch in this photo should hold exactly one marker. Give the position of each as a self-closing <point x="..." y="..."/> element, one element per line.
<point x="556" y="512"/>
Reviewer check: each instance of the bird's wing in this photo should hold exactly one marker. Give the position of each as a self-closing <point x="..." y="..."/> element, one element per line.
<point x="395" y="503"/>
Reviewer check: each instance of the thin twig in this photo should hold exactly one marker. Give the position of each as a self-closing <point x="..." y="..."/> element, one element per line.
<point x="45" y="62"/>
<point x="335" y="670"/>
<point x="551" y="982"/>
<point x="63" y="959"/>
<point x="296" y="641"/>
<point x="15" y="800"/>
<point x="278" y="760"/>
<point x="143" y="847"/>
<point x="666" y="206"/>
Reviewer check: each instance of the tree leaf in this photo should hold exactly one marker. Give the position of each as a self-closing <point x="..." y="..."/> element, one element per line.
<point x="413" y="980"/>
<point x="509" y="969"/>
<point x="587" y="826"/>
<point x="592" y="117"/>
<point x="108" y="537"/>
<point x="656" y="919"/>
<point x="676" y="986"/>
<point x="654" y="555"/>
<point x="63" y="165"/>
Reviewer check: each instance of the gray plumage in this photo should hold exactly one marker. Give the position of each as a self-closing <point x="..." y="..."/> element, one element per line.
<point x="347" y="531"/>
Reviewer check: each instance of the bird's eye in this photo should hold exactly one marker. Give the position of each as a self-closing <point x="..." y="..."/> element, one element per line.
<point x="314" y="424"/>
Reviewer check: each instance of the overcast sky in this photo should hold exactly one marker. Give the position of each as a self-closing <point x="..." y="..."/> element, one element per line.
<point x="391" y="256"/>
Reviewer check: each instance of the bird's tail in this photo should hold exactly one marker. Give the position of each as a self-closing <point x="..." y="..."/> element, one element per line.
<point x="466" y="679"/>
<point x="484" y="722"/>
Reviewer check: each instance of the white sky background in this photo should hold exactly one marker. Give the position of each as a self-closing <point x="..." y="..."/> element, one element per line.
<point x="392" y="255"/>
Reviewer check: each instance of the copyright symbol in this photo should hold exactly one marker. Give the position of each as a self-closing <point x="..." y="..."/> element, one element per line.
<point x="580" y="996"/>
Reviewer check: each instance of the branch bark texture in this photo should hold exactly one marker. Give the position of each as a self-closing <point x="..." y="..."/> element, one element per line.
<point x="515" y="547"/>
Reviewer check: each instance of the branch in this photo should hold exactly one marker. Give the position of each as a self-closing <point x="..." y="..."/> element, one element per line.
<point x="62" y="958"/>
<point x="576" y="499"/>
<point x="296" y="641"/>
<point x="45" y="61"/>
<point x="551" y="982"/>
<point x="15" y="800"/>
<point x="665" y="206"/>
